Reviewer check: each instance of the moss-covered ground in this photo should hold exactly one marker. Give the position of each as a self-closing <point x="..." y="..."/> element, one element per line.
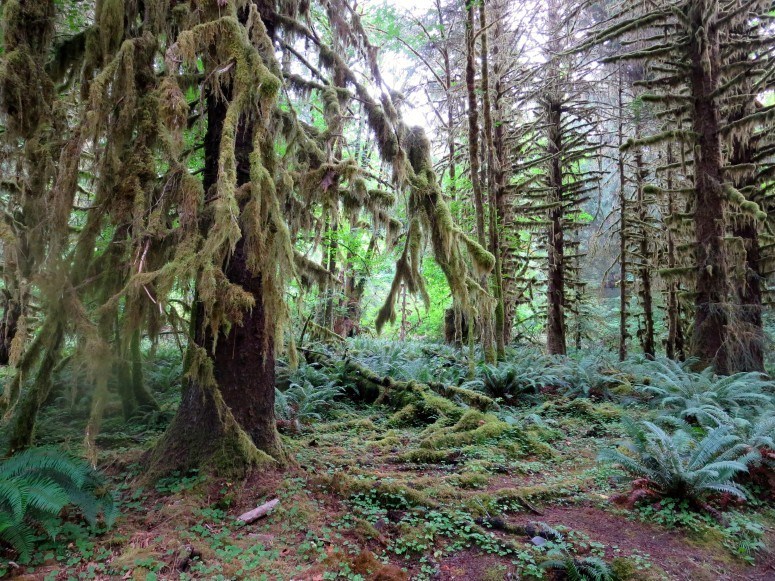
<point x="373" y="497"/>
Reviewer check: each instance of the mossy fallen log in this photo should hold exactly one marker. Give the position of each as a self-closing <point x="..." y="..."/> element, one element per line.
<point x="429" y="400"/>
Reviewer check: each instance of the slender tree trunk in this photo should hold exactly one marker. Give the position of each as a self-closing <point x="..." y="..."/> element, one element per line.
<point x="644" y="269"/>
<point x="484" y="320"/>
<point x="622" y="229"/>
<point x="8" y="325"/>
<point x="473" y="123"/>
<point x="674" y="346"/>
<point x="748" y="352"/>
<point x="709" y="342"/>
<point x="142" y="396"/>
<point x="555" y="329"/>
<point x="450" y="102"/>
<point x="493" y="179"/>
<point x="500" y="154"/>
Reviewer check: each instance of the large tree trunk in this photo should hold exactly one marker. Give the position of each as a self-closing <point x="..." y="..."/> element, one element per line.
<point x="711" y="300"/>
<point x="230" y="428"/>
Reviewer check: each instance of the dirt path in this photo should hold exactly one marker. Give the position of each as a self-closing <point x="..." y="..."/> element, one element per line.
<point x="671" y="551"/>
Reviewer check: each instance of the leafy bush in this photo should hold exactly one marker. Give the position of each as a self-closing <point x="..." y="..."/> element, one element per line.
<point x="680" y="465"/>
<point x="759" y="435"/>
<point x="35" y="485"/>
<point x="410" y="360"/>
<point x="704" y="398"/>
<point x="575" y="569"/>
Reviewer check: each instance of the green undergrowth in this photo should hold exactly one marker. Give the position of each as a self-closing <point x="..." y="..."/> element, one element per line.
<point x="399" y="490"/>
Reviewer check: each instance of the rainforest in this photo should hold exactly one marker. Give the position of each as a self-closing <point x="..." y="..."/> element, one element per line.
<point x="387" y="290"/>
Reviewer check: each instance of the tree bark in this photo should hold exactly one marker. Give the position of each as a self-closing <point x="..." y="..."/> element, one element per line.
<point x="711" y="316"/>
<point x="231" y="428"/>
<point x="494" y="178"/>
<point x="555" y="328"/>
<point x="644" y="269"/>
<point x="622" y="229"/>
<point x="473" y="123"/>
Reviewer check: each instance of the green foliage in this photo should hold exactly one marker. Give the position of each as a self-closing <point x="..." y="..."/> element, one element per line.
<point x="410" y="360"/>
<point x="575" y="569"/>
<point x="704" y="398"/>
<point x="310" y="394"/>
<point x="514" y="381"/>
<point x="681" y="465"/>
<point x="35" y="485"/>
<point x="589" y="376"/>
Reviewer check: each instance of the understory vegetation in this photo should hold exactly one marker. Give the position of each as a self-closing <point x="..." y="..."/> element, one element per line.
<point x="540" y="478"/>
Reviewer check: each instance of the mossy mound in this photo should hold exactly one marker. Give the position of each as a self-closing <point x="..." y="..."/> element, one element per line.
<point x="582" y="408"/>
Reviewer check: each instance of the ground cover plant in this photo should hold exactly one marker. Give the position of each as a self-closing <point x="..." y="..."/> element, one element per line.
<point x="544" y="487"/>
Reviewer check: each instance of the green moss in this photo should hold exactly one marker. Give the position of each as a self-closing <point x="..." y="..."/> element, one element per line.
<point x="426" y="456"/>
<point x="391" y="494"/>
<point x="623" y="568"/>
<point x="357" y="425"/>
<point x="474" y="427"/>
<point x="472" y="480"/>
<point x="582" y="407"/>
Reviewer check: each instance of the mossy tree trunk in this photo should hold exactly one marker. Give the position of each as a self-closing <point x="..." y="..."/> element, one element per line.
<point x="495" y="183"/>
<point x="555" y="327"/>
<point x="644" y="268"/>
<point x="230" y="428"/>
<point x="711" y="317"/>
<point x="622" y="229"/>
<point x="20" y="432"/>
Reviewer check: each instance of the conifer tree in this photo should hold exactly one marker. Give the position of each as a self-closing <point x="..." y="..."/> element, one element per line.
<point x="692" y="50"/>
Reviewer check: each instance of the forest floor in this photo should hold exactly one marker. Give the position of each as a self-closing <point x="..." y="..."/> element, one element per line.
<point x="367" y="500"/>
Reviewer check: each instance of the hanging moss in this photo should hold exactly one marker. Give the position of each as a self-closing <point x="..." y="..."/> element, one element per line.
<point x="25" y="93"/>
<point x="109" y="16"/>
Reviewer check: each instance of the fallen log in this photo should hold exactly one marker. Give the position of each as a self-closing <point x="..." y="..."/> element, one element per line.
<point x="373" y="388"/>
<point x="258" y="512"/>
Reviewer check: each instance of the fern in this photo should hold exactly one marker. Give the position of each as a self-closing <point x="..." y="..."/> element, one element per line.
<point x="304" y="401"/>
<point x="704" y="398"/>
<point x="590" y="376"/>
<point x="680" y="465"/>
<point x="35" y="485"/>
<point x="587" y="569"/>
<point x="517" y="379"/>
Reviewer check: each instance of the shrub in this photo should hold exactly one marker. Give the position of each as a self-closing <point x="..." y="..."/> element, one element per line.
<point x="304" y="402"/>
<point x="513" y="381"/>
<point x="35" y="485"/>
<point x="578" y="569"/>
<point x="587" y="377"/>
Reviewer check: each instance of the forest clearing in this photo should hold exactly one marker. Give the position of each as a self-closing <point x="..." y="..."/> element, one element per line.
<point x="387" y="290"/>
